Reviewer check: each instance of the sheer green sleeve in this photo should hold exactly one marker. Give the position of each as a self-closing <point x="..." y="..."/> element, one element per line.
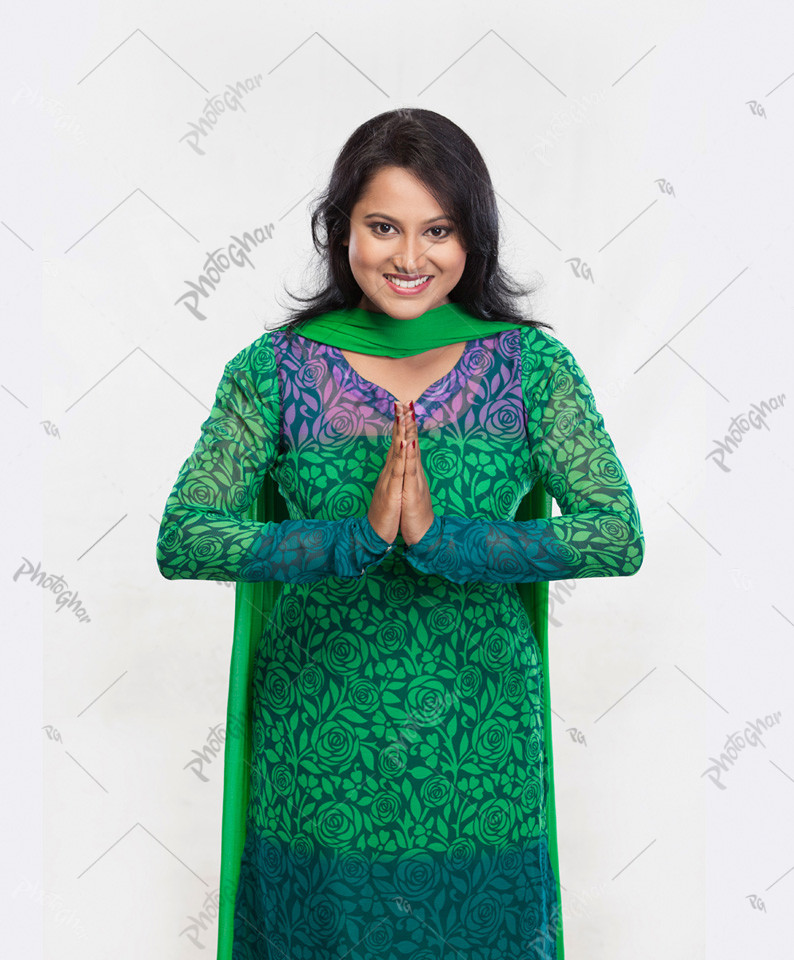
<point x="203" y="533"/>
<point x="599" y="533"/>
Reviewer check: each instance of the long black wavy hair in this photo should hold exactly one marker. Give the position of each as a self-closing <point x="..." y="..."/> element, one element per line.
<point x="446" y="161"/>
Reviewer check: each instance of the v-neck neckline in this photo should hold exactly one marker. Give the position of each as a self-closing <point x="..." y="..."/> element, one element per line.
<point x="437" y="387"/>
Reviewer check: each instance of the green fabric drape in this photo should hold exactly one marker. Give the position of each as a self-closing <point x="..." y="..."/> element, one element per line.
<point x="366" y="331"/>
<point x="254" y="603"/>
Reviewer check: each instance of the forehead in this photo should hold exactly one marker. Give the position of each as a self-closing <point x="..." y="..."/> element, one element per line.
<point x="394" y="189"/>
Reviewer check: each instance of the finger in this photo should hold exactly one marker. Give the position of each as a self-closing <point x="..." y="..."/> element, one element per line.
<point x="395" y="437"/>
<point x="412" y="437"/>
<point x="397" y="430"/>
<point x="410" y="425"/>
<point x="410" y="455"/>
<point x="399" y="445"/>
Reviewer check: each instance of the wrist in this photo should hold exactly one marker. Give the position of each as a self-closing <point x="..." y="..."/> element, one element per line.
<point x="430" y="540"/>
<point x="371" y="537"/>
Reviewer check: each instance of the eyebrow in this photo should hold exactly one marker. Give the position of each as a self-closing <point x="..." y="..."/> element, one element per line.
<point x="386" y="216"/>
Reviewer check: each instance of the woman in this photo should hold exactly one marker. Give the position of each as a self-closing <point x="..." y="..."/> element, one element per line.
<point x="400" y="771"/>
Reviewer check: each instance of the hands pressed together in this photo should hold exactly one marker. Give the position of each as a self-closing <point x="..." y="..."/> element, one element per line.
<point x="401" y="500"/>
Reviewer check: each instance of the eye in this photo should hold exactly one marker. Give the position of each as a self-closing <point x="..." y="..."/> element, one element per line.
<point x="446" y="230"/>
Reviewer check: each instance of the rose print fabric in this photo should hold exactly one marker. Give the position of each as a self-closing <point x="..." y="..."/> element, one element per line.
<point x="398" y="791"/>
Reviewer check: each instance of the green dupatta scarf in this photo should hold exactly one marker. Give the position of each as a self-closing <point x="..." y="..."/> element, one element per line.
<point x="380" y="334"/>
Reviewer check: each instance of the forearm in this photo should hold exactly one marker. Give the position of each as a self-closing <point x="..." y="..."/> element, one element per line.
<point x="204" y="546"/>
<point x="589" y="544"/>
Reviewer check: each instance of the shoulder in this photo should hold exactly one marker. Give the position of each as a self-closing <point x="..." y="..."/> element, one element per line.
<point x="253" y="370"/>
<point x="551" y="372"/>
<point x="258" y="358"/>
<point x="541" y="344"/>
<point x="542" y="356"/>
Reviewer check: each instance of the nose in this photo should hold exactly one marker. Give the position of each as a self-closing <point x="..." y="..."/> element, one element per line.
<point x="409" y="259"/>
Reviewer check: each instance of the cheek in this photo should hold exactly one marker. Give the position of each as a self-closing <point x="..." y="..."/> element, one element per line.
<point x="364" y="251"/>
<point x="457" y="259"/>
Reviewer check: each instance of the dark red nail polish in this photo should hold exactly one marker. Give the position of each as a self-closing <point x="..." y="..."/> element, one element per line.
<point x="414" y="442"/>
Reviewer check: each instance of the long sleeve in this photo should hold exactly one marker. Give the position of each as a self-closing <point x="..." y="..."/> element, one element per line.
<point x="599" y="533"/>
<point x="203" y="533"/>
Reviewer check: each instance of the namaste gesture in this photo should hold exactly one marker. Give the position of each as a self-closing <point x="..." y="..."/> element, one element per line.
<point x="401" y="500"/>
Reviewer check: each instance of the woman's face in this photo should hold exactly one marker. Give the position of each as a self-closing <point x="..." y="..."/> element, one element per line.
<point x="397" y="228"/>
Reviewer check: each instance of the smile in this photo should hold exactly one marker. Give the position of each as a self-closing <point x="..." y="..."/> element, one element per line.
<point x="407" y="286"/>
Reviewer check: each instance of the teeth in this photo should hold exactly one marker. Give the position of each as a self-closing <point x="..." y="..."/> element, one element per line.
<point x="407" y="284"/>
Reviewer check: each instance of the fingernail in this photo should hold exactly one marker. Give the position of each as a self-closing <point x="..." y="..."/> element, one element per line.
<point x="401" y="444"/>
<point x="414" y="442"/>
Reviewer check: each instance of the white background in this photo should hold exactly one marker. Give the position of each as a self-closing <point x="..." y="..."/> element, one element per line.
<point x="642" y="161"/>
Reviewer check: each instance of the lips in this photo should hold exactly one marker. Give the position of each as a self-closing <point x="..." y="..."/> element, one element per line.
<point x="406" y="276"/>
<point x="408" y="291"/>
